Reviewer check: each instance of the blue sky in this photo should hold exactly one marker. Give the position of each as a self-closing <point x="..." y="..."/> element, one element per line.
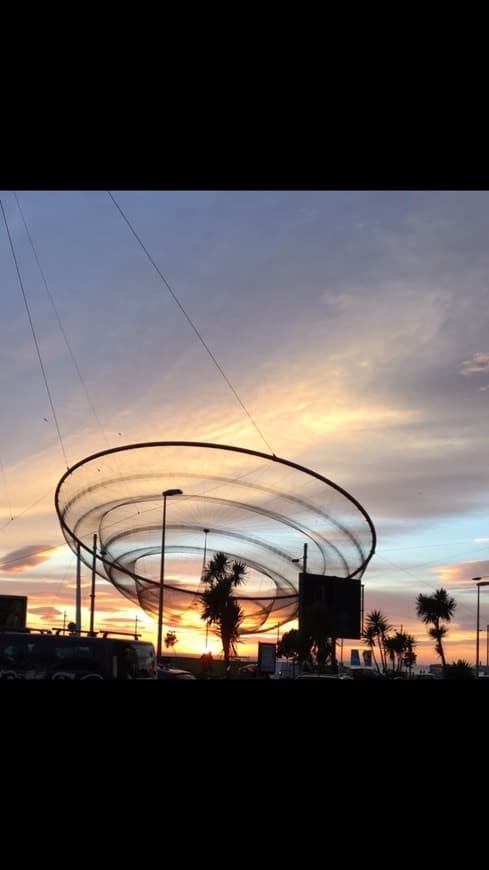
<point x="354" y="326"/>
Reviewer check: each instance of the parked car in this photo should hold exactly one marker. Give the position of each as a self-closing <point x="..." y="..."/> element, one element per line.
<point x="175" y="674"/>
<point x="324" y="677"/>
<point x="251" y="672"/>
<point x="366" y="674"/>
<point x="248" y="672"/>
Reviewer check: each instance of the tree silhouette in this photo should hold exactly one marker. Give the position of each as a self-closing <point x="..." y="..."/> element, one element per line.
<point x="376" y="629"/>
<point x="369" y="636"/>
<point x="400" y="649"/>
<point x="432" y="610"/>
<point x="170" y="640"/>
<point x="219" y="607"/>
<point x="409" y="657"/>
<point x="314" y="620"/>
<point x="311" y="640"/>
<point x="459" y="670"/>
<point x="295" y="645"/>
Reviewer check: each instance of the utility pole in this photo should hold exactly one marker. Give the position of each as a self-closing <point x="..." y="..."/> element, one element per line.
<point x="92" y="594"/>
<point x="78" y="592"/>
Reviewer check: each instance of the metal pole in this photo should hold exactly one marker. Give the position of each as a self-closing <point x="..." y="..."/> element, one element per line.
<point x="304" y="560"/>
<point x="92" y="593"/>
<point x="477" y="634"/>
<point x="204" y="560"/>
<point x="162" y="575"/>
<point x="166" y="493"/>
<point x="78" y="591"/>
<point x="334" y="660"/>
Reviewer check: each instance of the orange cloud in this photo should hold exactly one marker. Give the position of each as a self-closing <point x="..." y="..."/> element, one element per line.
<point x="462" y="573"/>
<point x="17" y="561"/>
<point x="46" y="614"/>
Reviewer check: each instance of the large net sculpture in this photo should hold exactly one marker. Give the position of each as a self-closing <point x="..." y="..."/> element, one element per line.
<point x="256" y="508"/>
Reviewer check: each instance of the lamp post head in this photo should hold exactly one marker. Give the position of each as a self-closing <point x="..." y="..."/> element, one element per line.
<point x="172" y="492"/>
<point x="480" y="581"/>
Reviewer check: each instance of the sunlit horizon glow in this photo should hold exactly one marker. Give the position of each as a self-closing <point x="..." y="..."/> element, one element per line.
<point x="339" y="319"/>
<point x="54" y="607"/>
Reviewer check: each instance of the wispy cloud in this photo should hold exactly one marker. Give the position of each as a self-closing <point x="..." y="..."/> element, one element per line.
<point x="337" y="316"/>
<point x="17" y="561"/>
<point x="461" y="574"/>
<point x="46" y="614"/>
<point x="479" y="362"/>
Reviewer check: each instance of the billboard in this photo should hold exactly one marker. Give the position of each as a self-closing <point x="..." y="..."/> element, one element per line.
<point x="13" y="612"/>
<point x="355" y="658"/>
<point x="338" y="601"/>
<point x="266" y="658"/>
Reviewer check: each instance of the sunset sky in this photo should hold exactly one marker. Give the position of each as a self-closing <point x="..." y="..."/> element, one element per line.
<point x="353" y="325"/>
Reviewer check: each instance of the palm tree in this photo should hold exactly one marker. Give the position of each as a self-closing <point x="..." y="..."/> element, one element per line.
<point x="376" y="627"/>
<point x="409" y="658"/>
<point x="219" y="606"/>
<point x="391" y="645"/>
<point x="400" y="648"/>
<point x="432" y="609"/>
<point x="369" y="636"/>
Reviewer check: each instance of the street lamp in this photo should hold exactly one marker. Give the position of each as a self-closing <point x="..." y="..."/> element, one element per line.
<point x="480" y="582"/>
<point x="165" y="495"/>
<point x="304" y="560"/>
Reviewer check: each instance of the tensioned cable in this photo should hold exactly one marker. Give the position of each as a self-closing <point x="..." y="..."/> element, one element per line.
<point x="35" y="338"/>
<point x="63" y="333"/>
<point x="192" y="324"/>
<point x="60" y="324"/>
<point x="27" y="509"/>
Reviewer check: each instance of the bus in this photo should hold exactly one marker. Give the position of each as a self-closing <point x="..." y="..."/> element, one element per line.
<point x="29" y="656"/>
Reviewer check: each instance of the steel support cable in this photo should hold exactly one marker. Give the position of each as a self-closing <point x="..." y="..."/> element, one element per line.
<point x="60" y="324"/>
<point x="35" y="339"/>
<point x="192" y="324"/>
